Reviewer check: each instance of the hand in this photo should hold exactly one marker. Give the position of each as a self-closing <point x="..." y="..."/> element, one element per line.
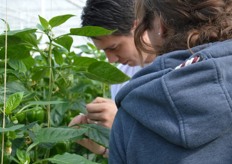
<point x="101" y="111"/>
<point x="87" y="143"/>
<point x="93" y="146"/>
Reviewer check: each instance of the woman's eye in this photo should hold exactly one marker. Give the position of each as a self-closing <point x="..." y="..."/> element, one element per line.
<point x="112" y="49"/>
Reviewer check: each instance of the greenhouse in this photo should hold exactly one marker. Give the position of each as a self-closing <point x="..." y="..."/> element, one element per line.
<point x="115" y="82"/>
<point x="50" y="70"/>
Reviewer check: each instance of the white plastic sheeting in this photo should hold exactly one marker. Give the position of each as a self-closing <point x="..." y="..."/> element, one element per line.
<point x="24" y="13"/>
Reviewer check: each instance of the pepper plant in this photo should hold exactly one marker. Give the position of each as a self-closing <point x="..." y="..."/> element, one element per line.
<point x="43" y="87"/>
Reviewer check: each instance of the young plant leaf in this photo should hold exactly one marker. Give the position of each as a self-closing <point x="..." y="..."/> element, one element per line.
<point x="91" y="31"/>
<point x="17" y="65"/>
<point x="58" y="20"/>
<point x="68" y="158"/>
<point x="44" y="23"/>
<point x="65" y="41"/>
<point x="45" y="102"/>
<point x="12" y="128"/>
<point x="15" y="52"/>
<point x="20" y="42"/>
<point x="107" y="73"/>
<point x="39" y="74"/>
<point x="97" y="133"/>
<point x="83" y="62"/>
<point x="53" y="135"/>
<point x="11" y="40"/>
<point x="84" y="49"/>
<point x="28" y="62"/>
<point x="58" y="113"/>
<point x="58" y="56"/>
<point x="17" y="32"/>
<point x="13" y="101"/>
<point x="30" y="39"/>
<point x="23" y="156"/>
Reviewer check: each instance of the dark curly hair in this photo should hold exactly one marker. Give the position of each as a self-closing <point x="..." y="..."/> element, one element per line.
<point x="187" y="23"/>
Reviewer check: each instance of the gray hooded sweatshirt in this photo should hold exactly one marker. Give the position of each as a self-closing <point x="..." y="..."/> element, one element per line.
<point x="177" y="110"/>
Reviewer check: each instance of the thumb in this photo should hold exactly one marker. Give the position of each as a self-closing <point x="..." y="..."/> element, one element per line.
<point x="79" y="119"/>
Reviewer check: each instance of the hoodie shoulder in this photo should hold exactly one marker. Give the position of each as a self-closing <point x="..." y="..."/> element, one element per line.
<point x="190" y="106"/>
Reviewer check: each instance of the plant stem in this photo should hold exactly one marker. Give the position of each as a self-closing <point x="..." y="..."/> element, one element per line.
<point x="104" y="90"/>
<point x="4" y="99"/>
<point x="50" y="81"/>
<point x="40" y="161"/>
<point x="36" y="153"/>
<point x="50" y="87"/>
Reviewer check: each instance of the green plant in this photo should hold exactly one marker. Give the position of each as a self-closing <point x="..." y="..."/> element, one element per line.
<point x="44" y="86"/>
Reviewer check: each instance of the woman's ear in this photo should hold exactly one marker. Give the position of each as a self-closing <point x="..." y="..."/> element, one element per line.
<point x="135" y="24"/>
<point x="162" y="28"/>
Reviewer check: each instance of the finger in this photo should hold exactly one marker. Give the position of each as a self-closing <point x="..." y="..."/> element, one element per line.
<point x="93" y="122"/>
<point x="95" y="107"/>
<point x="91" y="145"/>
<point x="79" y="119"/>
<point x="95" y="116"/>
<point x="100" y="100"/>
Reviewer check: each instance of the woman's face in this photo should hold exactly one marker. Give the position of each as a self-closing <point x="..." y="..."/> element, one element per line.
<point x="121" y="49"/>
<point x="118" y="49"/>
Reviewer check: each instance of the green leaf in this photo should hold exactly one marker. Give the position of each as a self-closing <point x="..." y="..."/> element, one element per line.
<point x="45" y="102"/>
<point x="58" y="56"/>
<point x="84" y="48"/>
<point x="13" y="101"/>
<point x="18" y="65"/>
<point x="58" y="20"/>
<point x="15" y="86"/>
<point x="13" y="128"/>
<point x="25" y="37"/>
<point x="44" y="23"/>
<point x="11" y="40"/>
<point x="53" y="135"/>
<point x="39" y="74"/>
<point x="98" y="134"/>
<point x="18" y="32"/>
<point x="107" y="73"/>
<point x="93" y="47"/>
<point x="67" y="158"/>
<point x="58" y="113"/>
<point x="29" y="38"/>
<point x="40" y="27"/>
<point x="65" y="41"/>
<point x="90" y="31"/>
<point x="29" y="62"/>
<point x="83" y="62"/>
<point x="15" y="52"/>
<point x="100" y="71"/>
<point x="23" y="156"/>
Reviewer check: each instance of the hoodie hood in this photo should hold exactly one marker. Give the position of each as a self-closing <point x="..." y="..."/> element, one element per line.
<point x="187" y="103"/>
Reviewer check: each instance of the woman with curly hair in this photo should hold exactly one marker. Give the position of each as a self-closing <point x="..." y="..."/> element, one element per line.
<point x="178" y="110"/>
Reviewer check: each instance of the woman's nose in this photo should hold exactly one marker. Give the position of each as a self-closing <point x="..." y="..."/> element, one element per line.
<point x="111" y="57"/>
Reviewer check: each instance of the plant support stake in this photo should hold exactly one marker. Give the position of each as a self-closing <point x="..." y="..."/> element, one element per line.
<point x="4" y="99"/>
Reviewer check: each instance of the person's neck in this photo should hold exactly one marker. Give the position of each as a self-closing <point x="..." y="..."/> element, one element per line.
<point x="150" y="58"/>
